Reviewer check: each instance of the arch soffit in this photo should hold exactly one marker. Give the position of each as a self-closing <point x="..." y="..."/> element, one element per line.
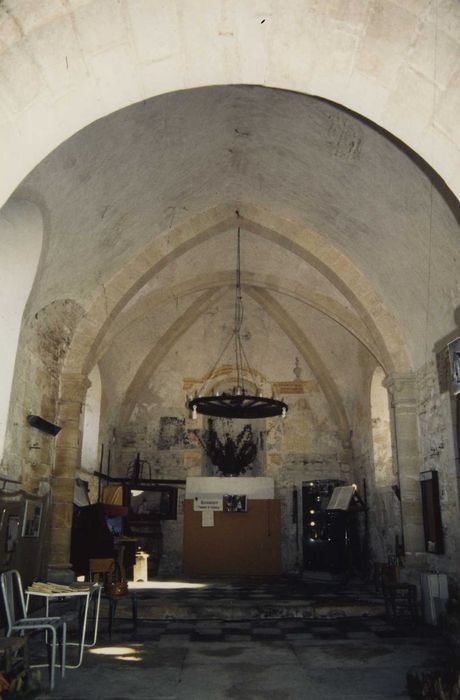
<point x="315" y="249"/>
<point x="322" y="303"/>
<point x="278" y="313"/>
<point x="65" y="101"/>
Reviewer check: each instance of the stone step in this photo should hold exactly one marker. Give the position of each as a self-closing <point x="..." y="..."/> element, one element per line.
<point x="164" y="610"/>
<point x="236" y="600"/>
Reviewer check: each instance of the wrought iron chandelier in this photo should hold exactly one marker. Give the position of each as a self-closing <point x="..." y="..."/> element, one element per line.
<point x="239" y="403"/>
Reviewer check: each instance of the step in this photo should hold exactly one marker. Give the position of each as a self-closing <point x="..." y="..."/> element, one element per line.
<point x="237" y="600"/>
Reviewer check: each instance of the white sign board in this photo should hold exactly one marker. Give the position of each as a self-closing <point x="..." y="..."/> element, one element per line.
<point x="254" y="487"/>
<point x="207" y="518"/>
<point x="208" y="503"/>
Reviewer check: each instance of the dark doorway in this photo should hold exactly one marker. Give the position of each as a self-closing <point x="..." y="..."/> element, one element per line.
<point x="325" y="538"/>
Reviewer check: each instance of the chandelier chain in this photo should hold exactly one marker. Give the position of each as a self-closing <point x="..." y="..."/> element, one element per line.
<point x="238" y="404"/>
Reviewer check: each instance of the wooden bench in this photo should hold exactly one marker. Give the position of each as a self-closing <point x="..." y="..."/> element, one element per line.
<point x="14" y="658"/>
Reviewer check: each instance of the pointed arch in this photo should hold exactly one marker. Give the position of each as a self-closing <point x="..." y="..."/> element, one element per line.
<point x="311" y="246"/>
<point x="278" y="313"/>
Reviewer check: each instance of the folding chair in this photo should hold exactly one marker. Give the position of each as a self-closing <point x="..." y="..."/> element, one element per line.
<point x="18" y="621"/>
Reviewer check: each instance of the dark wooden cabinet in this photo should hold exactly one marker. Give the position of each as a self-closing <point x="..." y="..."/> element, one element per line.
<point x="101" y="531"/>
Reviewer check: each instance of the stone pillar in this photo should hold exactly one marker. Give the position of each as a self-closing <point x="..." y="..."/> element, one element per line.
<point x="402" y="389"/>
<point x="66" y="462"/>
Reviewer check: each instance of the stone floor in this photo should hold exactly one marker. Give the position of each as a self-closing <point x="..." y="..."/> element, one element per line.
<point x="283" y="658"/>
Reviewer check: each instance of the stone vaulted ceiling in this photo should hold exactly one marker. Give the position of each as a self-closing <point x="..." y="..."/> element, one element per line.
<point x="366" y="224"/>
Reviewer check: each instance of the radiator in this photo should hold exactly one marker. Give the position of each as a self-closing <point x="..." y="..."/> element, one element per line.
<point x="434" y="596"/>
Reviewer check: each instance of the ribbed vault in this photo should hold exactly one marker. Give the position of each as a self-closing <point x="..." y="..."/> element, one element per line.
<point x="112" y="298"/>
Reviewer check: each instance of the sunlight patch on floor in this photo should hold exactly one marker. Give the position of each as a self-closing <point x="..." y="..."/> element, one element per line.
<point x="118" y="652"/>
<point x="164" y="585"/>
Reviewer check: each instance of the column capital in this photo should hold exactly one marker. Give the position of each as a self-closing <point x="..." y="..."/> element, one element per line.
<point x="73" y="385"/>
<point x="402" y="387"/>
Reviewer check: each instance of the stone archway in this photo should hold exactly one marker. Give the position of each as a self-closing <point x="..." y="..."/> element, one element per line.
<point x="307" y="244"/>
<point x="66" y="65"/>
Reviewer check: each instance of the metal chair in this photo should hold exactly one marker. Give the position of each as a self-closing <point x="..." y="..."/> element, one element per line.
<point x="18" y="621"/>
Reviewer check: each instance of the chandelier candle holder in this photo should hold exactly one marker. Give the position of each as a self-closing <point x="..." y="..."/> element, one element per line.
<point x="238" y="403"/>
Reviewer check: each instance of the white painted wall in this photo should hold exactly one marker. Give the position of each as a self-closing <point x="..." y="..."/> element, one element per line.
<point x="21" y="233"/>
<point x="92" y="413"/>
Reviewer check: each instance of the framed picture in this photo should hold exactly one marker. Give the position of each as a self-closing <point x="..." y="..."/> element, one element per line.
<point x="432" y="523"/>
<point x="32" y="519"/>
<point x="235" y="504"/>
<point x="12" y="533"/>
<point x="159" y="502"/>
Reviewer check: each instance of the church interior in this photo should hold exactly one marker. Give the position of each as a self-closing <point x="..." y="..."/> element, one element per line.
<point x="230" y="200"/>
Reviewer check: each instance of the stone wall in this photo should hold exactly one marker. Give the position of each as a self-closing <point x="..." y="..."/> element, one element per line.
<point x="437" y="426"/>
<point x="304" y="446"/>
<point x="44" y="340"/>
<point x="436" y="412"/>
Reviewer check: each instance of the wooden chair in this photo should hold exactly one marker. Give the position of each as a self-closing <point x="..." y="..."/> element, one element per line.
<point x="400" y="598"/>
<point x="14" y="660"/>
<point x="107" y="572"/>
<point x="101" y="570"/>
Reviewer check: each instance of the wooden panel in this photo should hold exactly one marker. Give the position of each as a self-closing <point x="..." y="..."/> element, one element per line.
<point x="432" y="523"/>
<point x="239" y="544"/>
